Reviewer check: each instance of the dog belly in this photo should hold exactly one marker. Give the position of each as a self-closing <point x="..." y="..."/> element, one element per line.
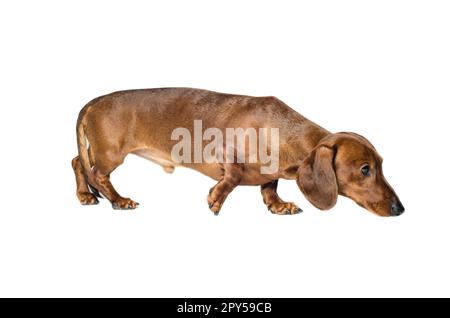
<point x="212" y="170"/>
<point x="156" y="156"/>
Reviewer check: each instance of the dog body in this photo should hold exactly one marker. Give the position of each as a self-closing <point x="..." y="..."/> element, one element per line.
<point x="142" y="122"/>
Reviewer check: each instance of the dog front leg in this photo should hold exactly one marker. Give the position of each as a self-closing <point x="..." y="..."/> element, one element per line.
<point x="274" y="202"/>
<point x="232" y="176"/>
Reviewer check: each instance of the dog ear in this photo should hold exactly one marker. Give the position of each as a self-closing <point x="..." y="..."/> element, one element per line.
<point x="317" y="178"/>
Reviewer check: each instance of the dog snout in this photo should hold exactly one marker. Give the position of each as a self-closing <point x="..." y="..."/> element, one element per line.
<point x="397" y="208"/>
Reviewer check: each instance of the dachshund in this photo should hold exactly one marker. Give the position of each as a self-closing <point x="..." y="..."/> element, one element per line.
<point x="142" y="122"/>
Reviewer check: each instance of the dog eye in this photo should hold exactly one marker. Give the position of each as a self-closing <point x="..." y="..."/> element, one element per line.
<point x="365" y="170"/>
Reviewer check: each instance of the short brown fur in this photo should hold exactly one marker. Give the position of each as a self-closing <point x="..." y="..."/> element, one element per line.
<point x="140" y="122"/>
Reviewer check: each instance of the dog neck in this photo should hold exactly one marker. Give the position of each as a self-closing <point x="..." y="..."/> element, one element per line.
<point x="297" y="145"/>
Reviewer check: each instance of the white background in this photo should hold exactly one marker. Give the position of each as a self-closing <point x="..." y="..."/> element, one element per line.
<point x="379" y="68"/>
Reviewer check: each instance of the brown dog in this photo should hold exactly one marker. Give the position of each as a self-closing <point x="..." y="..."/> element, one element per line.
<point x="141" y="122"/>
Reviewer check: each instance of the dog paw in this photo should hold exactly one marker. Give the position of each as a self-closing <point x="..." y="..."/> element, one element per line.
<point x="215" y="203"/>
<point x="284" y="208"/>
<point x="124" y="204"/>
<point x="87" y="198"/>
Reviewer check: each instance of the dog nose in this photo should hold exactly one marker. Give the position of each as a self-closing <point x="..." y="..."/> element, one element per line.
<point x="397" y="208"/>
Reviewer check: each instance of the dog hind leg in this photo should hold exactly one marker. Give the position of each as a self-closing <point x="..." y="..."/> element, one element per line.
<point x="83" y="193"/>
<point x="101" y="178"/>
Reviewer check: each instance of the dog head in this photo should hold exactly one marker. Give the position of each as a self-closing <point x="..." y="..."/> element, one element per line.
<point x="347" y="164"/>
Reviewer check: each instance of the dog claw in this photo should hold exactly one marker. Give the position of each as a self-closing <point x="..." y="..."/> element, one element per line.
<point x="216" y="213"/>
<point x="299" y="210"/>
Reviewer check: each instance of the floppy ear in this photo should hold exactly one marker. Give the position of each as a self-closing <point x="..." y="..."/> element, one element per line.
<point x="317" y="178"/>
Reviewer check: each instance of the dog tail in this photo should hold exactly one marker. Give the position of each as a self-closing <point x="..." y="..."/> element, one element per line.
<point x="83" y="144"/>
